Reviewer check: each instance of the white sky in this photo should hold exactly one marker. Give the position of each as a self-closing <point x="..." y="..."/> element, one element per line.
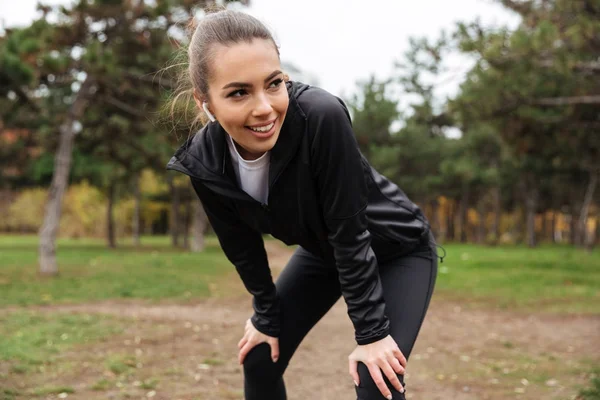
<point x="342" y="41"/>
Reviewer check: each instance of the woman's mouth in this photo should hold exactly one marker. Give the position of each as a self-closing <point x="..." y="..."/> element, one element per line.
<point x="263" y="131"/>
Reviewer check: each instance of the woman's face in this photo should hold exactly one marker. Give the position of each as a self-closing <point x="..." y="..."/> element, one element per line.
<point x="248" y="96"/>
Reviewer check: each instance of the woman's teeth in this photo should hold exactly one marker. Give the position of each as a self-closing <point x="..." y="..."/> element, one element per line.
<point x="263" y="129"/>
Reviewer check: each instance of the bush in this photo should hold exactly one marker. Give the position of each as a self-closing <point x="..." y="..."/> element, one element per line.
<point x="84" y="209"/>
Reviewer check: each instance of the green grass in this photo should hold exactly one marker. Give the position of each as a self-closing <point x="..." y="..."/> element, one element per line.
<point x="593" y="391"/>
<point x="90" y="271"/>
<point x="53" y="390"/>
<point x="31" y="340"/>
<point x="548" y="278"/>
<point x="121" y="364"/>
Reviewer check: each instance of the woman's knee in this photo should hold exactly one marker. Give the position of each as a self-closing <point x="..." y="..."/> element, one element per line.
<point x="259" y="365"/>
<point x="368" y="390"/>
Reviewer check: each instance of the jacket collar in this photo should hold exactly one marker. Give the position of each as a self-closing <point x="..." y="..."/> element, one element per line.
<point x="206" y="156"/>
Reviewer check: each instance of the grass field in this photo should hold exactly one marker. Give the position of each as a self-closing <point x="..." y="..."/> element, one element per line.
<point x="89" y="271"/>
<point x="40" y="348"/>
<point x="549" y="278"/>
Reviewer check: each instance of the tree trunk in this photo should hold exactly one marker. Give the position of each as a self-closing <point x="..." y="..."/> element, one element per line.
<point x="481" y="226"/>
<point x="462" y="214"/>
<point x="590" y="239"/>
<point x="497" y="213"/>
<point x="531" y="201"/>
<point x="572" y="224"/>
<point x="199" y="224"/>
<point x="187" y="217"/>
<point x="581" y="232"/>
<point x="60" y="180"/>
<point x="110" y="221"/>
<point x="544" y="230"/>
<point x="450" y="218"/>
<point x="137" y="195"/>
<point x="434" y="220"/>
<point x="555" y="233"/>
<point x="174" y="219"/>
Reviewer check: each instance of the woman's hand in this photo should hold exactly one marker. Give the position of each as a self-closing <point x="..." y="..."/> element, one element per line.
<point x="383" y="355"/>
<point x="251" y="338"/>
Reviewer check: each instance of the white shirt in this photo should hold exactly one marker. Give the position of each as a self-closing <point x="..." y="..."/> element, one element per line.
<point x="252" y="175"/>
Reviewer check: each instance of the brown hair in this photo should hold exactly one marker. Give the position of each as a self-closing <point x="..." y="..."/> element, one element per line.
<point x="219" y="26"/>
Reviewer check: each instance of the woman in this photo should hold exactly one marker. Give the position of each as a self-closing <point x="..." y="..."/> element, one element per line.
<point x="280" y="158"/>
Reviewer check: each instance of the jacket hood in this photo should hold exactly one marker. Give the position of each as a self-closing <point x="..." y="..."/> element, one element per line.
<point x="205" y="156"/>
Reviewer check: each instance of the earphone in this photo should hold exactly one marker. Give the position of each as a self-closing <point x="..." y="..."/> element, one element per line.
<point x="208" y="113"/>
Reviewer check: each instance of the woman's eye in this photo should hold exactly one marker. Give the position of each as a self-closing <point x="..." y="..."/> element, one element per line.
<point x="276" y="83"/>
<point x="237" y="93"/>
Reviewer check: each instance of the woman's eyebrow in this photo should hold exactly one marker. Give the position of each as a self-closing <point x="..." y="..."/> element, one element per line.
<point x="247" y="85"/>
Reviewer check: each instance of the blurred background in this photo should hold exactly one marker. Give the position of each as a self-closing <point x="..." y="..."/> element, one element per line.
<point x="485" y="112"/>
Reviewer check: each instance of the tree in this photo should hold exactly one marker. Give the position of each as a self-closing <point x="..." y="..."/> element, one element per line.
<point x="538" y="86"/>
<point x="98" y="48"/>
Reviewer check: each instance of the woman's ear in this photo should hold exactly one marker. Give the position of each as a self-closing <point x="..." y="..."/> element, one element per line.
<point x="203" y="105"/>
<point x="198" y="99"/>
<point x="207" y="111"/>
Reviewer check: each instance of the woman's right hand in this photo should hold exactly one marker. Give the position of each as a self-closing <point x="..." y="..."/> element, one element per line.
<point x="253" y="337"/>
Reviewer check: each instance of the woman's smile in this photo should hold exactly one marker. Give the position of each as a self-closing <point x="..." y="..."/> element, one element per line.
<point x="264" y="130"/>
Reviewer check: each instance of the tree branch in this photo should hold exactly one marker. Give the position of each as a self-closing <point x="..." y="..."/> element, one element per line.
<point x="155" y="79"/>
<point x="124" y="106"/>
<point x="567" y="101"/>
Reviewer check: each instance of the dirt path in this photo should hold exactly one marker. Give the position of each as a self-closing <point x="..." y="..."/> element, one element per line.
<point x="461" y="354"/>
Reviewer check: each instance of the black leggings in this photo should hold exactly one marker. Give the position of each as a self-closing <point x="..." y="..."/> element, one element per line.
<point x="308" y="289"/>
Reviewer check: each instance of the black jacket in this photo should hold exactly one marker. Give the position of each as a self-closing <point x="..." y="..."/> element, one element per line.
<point x="323" y="195"/>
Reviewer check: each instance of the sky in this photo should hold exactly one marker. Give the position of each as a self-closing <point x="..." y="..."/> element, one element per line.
<point x="343" y="41"/>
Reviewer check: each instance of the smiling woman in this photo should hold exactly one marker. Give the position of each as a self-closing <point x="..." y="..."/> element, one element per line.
<point x="280" y="158"/>
<point x="249" y="103"/>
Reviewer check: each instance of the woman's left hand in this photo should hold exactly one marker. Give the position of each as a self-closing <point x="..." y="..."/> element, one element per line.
<point x="383" y="355"/>
<point x="253" y="337"/>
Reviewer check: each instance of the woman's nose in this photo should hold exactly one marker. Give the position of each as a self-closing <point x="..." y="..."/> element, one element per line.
<point x="262" y="106"/>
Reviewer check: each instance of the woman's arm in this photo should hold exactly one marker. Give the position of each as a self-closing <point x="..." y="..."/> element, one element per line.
<point x="338" y="169"/>
<point x="244" y="247"/>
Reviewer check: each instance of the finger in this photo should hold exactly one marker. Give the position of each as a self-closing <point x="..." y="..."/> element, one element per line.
<point x="391" y="375"/>
<point x="353" y="370"/>
<point x="244" y="352"/>
<point x="242" y="342"/>
<point x="399" y="369"/>
<point x="274" y="343"/>
<point x="379" y="382"/>
<point x="400" y="357"/>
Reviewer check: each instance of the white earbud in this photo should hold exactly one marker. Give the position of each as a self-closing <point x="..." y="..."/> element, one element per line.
<point x="208" y="113"/>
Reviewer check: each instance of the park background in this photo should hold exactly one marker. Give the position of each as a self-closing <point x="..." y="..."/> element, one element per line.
<point x="114" y="287"/>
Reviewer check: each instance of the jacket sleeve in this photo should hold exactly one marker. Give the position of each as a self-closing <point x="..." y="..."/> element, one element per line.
<point x="338" y="169"/>
<point x="244" y="247"/>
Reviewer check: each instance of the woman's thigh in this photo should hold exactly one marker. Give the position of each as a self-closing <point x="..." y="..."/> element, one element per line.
<point x="408" y="284"/>
<point x="307" y="289"/>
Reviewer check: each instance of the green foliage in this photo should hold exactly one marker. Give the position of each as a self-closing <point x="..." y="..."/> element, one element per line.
<point x="373" y="112"/>
<point x="517" y="72"/>
<point x="83" y="213"/>
<point x="84" y="209"/>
